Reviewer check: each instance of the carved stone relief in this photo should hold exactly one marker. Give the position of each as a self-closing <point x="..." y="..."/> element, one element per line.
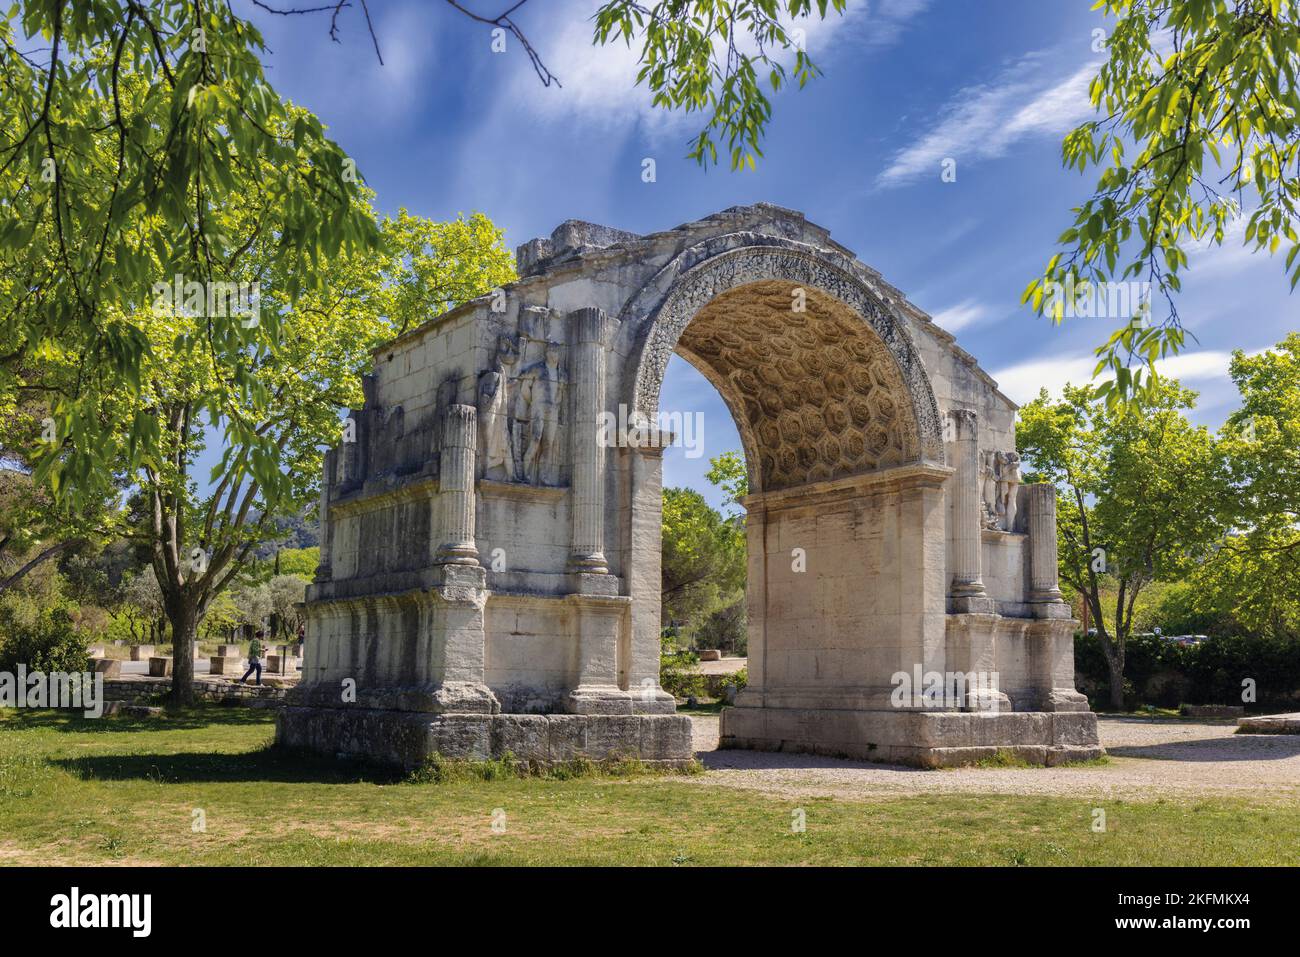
<point x="999" y="481"/>
<point x="521" y="401"/>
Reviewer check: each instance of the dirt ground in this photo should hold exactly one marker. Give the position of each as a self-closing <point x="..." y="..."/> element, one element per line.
<point x="1149" y="757"/>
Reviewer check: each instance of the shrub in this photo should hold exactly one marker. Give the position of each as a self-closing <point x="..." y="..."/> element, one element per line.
<point x="51" y="643"/>
<point x="1160" y="672"/>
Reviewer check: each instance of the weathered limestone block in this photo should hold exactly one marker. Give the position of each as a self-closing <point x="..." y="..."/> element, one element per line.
<point x="108" y="667"/>
<point x="141" y="652"/>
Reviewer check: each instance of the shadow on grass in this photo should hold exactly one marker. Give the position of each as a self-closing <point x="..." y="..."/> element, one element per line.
<point x="184" y="719"/>
<point x="269" y="765"/>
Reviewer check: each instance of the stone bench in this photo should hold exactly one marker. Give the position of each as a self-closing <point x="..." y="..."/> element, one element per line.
<point x="230" y="651"/>
<point x="160" y="666"/>
<point x="141" y="652"/>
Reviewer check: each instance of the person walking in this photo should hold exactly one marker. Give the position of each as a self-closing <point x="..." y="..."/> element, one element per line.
<point x="254" y="658"/>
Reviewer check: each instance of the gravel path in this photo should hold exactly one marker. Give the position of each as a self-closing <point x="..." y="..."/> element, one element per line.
<point x="1149" y="757"/>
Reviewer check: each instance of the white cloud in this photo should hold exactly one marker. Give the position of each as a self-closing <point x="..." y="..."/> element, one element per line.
<point x="1022" y="381"/>
<point x="966" y="313"/>
<point x="983" y="121"/>
<point x="598" y="82"/>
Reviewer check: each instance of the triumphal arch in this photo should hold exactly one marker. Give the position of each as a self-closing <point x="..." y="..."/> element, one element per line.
<point x="490" y="527"/>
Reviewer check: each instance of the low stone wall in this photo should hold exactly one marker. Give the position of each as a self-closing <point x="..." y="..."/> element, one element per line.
<point x="141" y="688"/>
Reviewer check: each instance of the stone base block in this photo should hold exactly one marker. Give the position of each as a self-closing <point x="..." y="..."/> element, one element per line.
<point x="931" y="739"/>
<point x="108" y="667"/>
<point x="281" y="664"/>
<point x="408" y="738"/>
<point x="226" y="665"/>
<point x="1270" y="724"/>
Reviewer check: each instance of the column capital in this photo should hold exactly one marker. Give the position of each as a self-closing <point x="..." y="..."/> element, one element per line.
<point x="591" y="324"/>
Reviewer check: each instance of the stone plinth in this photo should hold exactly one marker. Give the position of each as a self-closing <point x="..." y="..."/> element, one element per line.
<point x="919" y="738"/>
<point x="108" y="667"/>
<point x="160" y="666"/>
<point x="409" y="738"/>
<point x="141" y="652"/>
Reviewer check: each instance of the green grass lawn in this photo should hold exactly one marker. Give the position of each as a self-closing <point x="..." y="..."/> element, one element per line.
<point x="123" y="790"/>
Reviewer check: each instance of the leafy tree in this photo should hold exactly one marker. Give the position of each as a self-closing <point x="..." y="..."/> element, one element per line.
<point x="34" y="528"/>
<point x="300" y="561"/>
<point x="1263" y="440"/>
<point x="727" y="471"/>
<point x="143" y="608"/>
<point x="1198" y="102"/>
<point x="1139" y="499"/>
<point x="1252" y="584"/>
<point x="703" y="556"/>
<point x="717" y="59"/>
<point x="128" y="133"/>
<point x="285" y="592"/>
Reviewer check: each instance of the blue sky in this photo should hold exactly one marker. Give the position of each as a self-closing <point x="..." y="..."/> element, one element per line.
<point x="446" y="125"/>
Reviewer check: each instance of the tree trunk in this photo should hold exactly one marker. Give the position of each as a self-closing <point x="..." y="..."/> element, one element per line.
<point x="185" y="624"/>
<point x="1115" y="662"/>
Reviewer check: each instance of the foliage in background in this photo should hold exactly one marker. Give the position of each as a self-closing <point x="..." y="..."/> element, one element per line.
<point x="678" y="668"/>
<point x="128" y="135"/>
<point x="717" y="59"/>
<point x="1140" y="498"/>
<point x="1165" y="674"/>
<point x="50" y="643"/>
<point x="704" y="564"/>
<point x="1198" y="103"/>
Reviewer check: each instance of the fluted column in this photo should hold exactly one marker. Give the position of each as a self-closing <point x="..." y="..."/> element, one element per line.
<point x="968" y="593"/>
<point x="1040" y="500"/>
<point x="455" y="503"/>
<point x="588" y="371"/>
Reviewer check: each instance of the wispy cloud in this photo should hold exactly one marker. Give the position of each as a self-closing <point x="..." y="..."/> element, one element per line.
<point x="1021" y="382"/>
<point x="966" y="313"/>
<point x="983" y="121"/>
<point x="599" y="81"/>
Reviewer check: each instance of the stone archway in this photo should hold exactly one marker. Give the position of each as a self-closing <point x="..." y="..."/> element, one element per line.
<point x="845" y="517"/>
<point x="490" y="566"/>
